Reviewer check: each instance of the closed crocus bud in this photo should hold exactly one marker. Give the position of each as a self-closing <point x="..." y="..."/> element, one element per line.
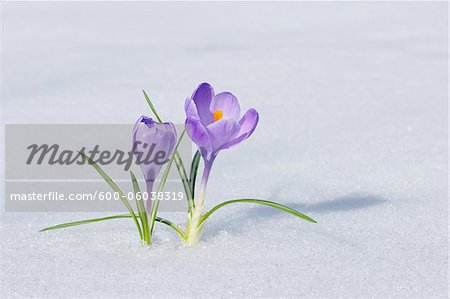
<point x="153" y="144"/>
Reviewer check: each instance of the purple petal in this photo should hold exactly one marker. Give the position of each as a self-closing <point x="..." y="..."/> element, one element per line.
<point x="233" y="142"/>
<point x="228" y="104"/>
<point x="149" y="138"/>
<point x="190" y="109"/>
<point x="136" y="127"/>
<point x="202" y="97"/>
<point x="248" y="124"/>
<point x="142" y="123"/>
<point x="167" y="136"/>
<point x="198" y="133"/>
<point x="222" y="131"/>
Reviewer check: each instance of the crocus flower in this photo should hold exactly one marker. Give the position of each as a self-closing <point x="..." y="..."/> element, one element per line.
<point x="153" y="144"/>
<point x="214" y="123"/>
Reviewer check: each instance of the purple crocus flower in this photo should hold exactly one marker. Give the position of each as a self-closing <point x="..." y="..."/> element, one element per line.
<point x="214" y="123"/>
<point x="153" y="144"/>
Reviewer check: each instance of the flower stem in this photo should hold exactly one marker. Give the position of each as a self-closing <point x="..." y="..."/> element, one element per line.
<point x="194" y="226"/>
<point x="149" y="184"/>
<point x="205" y="178"/>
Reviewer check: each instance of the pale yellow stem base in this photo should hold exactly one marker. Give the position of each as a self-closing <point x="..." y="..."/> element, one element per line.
<point x="194" y="230"/>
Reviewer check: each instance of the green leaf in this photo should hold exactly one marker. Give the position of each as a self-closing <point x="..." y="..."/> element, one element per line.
<point x="75" y="223"/>
<point x="178" y="161"/>
<point x="116" y="188"/>
<point x="194" y="169"/>
<point x="258" y="201"/>
<point x="141" y="208"/>
<point x="122" y="216"/>
<point x="172" y="225"/>
<point x="187" y="188"/>
<point x="151" y="106"/>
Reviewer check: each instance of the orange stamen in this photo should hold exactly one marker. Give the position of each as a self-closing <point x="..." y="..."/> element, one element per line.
<point x="218" y="114"/>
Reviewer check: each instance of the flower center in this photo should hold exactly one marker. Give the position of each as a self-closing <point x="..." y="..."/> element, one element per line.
<point x="218" y="114"/>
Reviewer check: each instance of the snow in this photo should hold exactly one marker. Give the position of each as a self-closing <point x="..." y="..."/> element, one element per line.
<point x="353" y="132"/>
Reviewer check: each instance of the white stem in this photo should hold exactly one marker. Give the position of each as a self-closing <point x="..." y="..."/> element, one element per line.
<point x="194" y="228"/>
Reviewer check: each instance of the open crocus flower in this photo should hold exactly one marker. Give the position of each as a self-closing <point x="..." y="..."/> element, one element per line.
<point x="213" y="122"/>
<point x="153" y="144"/>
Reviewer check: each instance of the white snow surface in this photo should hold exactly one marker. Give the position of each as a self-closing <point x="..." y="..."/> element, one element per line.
<point x="353" y="131"/>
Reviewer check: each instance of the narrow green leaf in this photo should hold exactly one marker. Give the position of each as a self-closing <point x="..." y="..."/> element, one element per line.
<point x="122" y="216"/>
<point x="141" y="208"/>
<point x="194" y="169"/>
<point x="116" y="188"/>
<point x="178" y="161"/>
<point x="75" y="223"/>
<point x="258" y="201"/>
<point x="151" y="106"/>
<point x="173" y="226"/>
<point x="185" y="180"/>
